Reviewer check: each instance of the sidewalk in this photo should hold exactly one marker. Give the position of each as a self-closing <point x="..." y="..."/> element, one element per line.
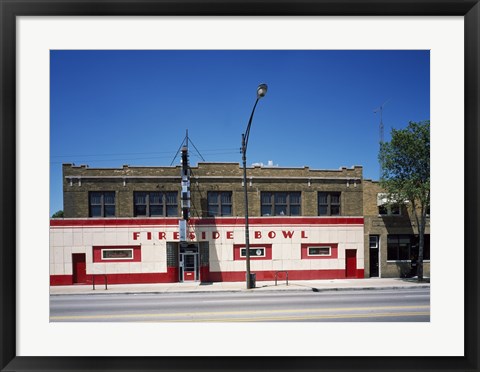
<point x="261" y="286"/>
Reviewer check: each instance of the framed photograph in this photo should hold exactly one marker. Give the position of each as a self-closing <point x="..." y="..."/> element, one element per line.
<point x="30" y="341"/>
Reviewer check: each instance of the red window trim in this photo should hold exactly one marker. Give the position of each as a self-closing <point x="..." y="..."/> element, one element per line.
<point x="333" y="251"/>
<point x="238" y="247"/>
<point x="97" y="253"/>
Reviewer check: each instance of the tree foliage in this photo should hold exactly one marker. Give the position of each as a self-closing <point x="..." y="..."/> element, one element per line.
<point x="405" y="164"/>
<point x="58" y="214"/>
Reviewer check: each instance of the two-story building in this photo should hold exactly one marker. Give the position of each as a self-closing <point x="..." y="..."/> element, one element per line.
<point x="391" y="236"/>
<point x="124" y="222"/>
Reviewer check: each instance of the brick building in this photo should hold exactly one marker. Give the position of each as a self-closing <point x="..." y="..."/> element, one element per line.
<point x="125" y="223"/>
<point x="391" y="236"/>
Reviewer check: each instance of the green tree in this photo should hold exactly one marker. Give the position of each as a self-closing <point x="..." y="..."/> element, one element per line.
<point x="58" y="214"/>
<point x="405" y="164"/>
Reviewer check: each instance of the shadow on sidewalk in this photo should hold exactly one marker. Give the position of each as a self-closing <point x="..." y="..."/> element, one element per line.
<point x="415" y="280"/>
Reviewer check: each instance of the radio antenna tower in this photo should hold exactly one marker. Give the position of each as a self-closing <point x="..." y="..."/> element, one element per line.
<point x="380" y="109"/>
<point x="185" y="144"/>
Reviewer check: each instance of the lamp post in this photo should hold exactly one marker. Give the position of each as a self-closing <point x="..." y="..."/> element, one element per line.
<point x="261" y="91"/>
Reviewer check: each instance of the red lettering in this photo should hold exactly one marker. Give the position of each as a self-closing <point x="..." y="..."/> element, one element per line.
<point x="162" y="235"/>
<point x="215" y="235"/>
<point x="136" y="234"/>
<point x="176" y="235"/>
<point x="149" y="235"/>
<point x="192" y="236"/>
<point x="304" y="236"/>
<point x="288" y="234"/>
<point x="272" y="234"/>
<point x="229" y="234"/>
<point x="258" y="234"/>
<point x="204" y="235"/>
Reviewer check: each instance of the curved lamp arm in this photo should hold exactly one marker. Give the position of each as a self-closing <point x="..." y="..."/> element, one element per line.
<point x="261" y="91"/>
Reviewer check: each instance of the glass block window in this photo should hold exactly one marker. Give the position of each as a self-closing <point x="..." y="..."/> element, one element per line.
<point x="172" y="254"/>
<point x="204" y="254"/>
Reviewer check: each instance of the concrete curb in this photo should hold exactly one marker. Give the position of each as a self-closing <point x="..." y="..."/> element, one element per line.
<point x="103" y="292"/>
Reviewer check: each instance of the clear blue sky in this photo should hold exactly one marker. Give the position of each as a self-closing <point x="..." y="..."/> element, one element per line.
<point x="110" y="108"/>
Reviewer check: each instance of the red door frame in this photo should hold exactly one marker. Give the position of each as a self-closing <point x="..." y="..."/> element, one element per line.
<point x="79" y="268"/>
<point x="350" y="263"/>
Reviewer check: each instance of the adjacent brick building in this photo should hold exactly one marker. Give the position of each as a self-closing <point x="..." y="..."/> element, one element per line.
<point x="391" y="236"/>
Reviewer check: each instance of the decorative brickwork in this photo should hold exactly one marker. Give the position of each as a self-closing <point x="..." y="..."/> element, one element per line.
<point x="80" y="180"/>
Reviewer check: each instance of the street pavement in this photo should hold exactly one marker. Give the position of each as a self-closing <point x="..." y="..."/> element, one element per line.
<point x="281" y="285"/>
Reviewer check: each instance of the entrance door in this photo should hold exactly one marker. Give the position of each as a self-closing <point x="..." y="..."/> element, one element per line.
<point x="190" y="267"/>
<point x="189" y="263"/>
<point x="351" y="263"/>
<point x="374" y="269"/>
<point x="79" y="268"/>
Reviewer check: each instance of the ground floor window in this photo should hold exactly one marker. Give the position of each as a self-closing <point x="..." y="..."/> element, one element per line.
<point x="257" y="251"/>
<point x="404" y="247"/>
<point x="319" y="250"/>
<point x="254" y="252"/>
<point x="117" y="254"/>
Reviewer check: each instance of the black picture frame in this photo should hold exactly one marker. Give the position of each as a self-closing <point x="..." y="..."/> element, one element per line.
<point x="10" y="9"/>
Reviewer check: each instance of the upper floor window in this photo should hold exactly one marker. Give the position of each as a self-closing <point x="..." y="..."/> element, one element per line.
<point x="155" y="204"/>
<point x="219" y="203"/>
<point x="386" y="206"/>
<point x="281" y="203"/>
<point x="102" y="204"/>
<point x="329" y="204"/>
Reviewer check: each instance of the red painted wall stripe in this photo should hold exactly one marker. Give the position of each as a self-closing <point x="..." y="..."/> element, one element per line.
<point x="226" y="221"/>
<point x="61" y="280"/>
<point x="171" y="276"/>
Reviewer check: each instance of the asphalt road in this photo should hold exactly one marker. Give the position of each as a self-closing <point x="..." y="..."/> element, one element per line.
<point x="400" y="305"/>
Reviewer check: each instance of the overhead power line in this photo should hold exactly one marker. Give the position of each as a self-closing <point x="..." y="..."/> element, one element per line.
<point x="211" y="151"/>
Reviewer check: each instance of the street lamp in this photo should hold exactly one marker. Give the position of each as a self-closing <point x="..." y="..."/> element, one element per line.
<point x="261" y="91"/>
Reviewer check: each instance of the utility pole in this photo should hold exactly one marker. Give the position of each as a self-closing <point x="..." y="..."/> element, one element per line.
<point x="185" y="200"/>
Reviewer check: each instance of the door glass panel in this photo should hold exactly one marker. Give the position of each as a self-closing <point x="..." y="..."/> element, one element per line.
<point x="189" y="263"/>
